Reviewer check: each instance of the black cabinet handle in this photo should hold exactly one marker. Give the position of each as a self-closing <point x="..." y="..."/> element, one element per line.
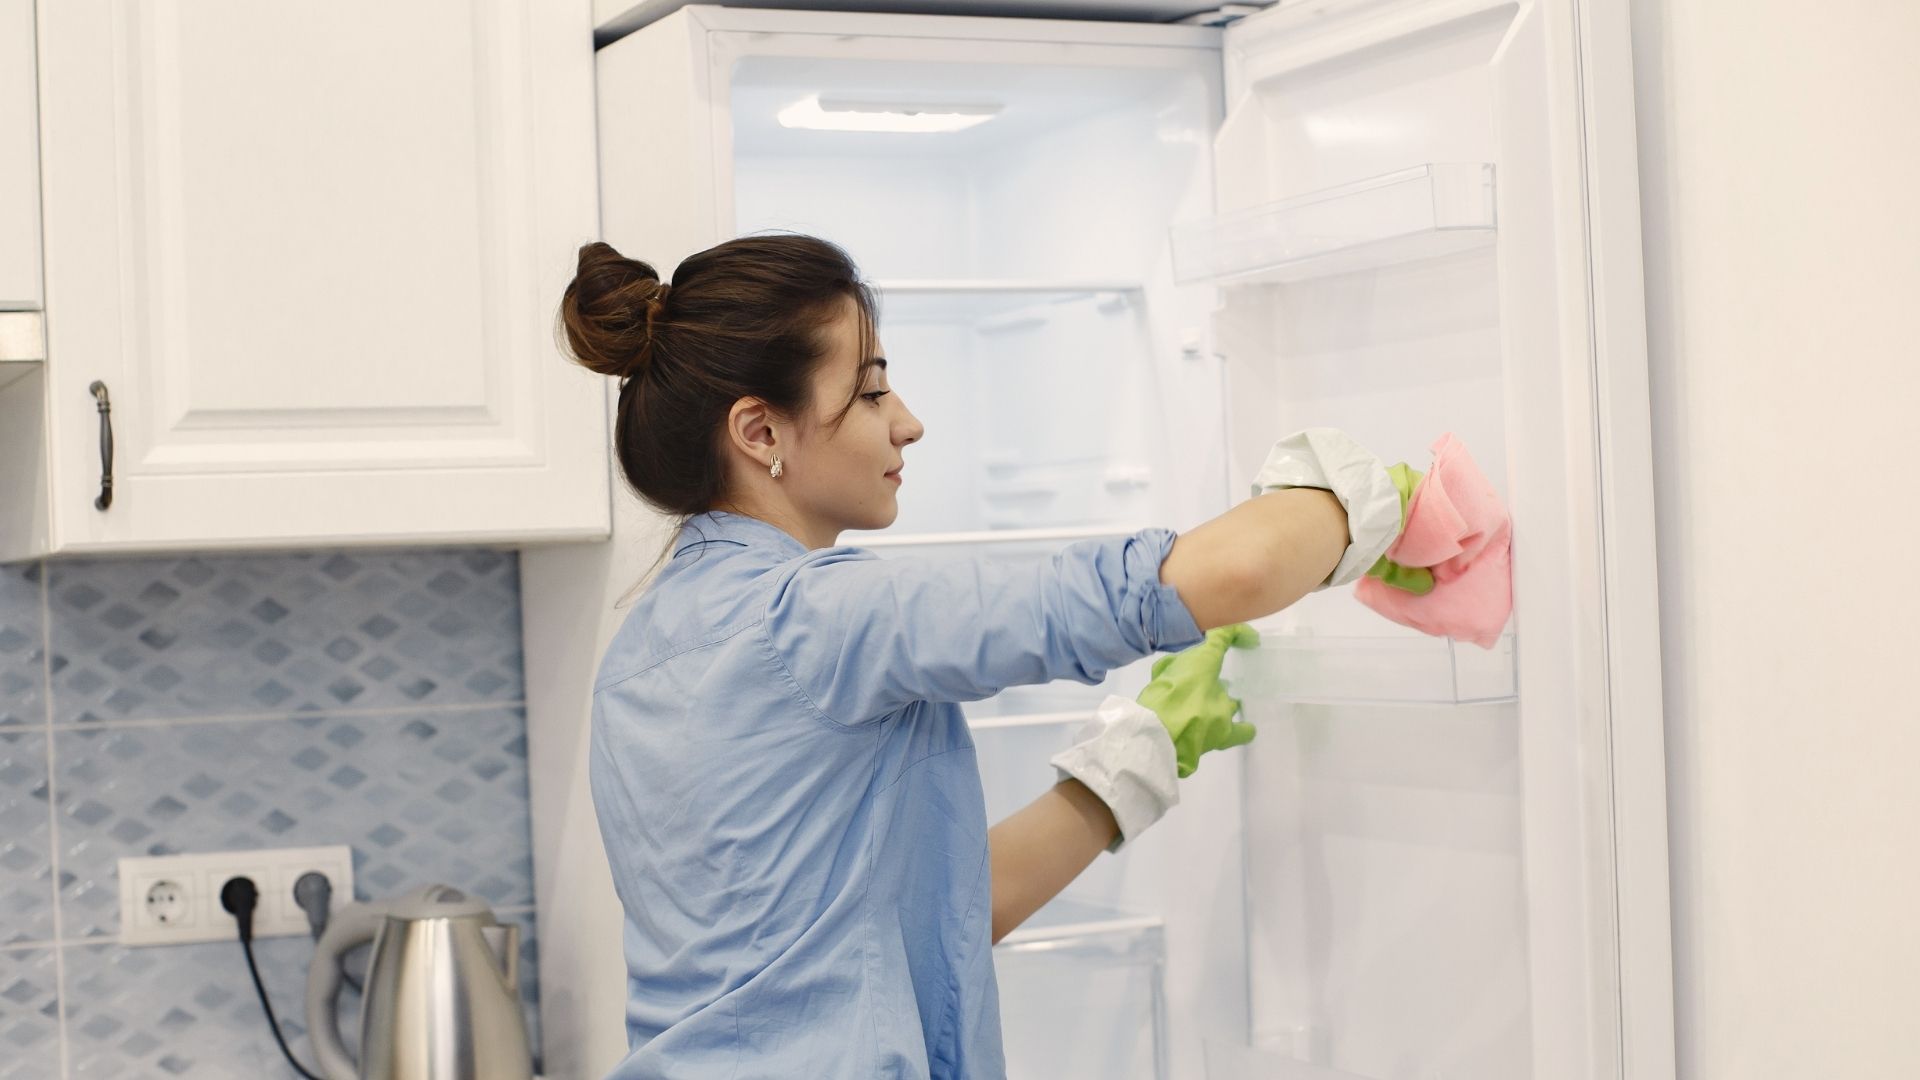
<point x="99" y="391"/>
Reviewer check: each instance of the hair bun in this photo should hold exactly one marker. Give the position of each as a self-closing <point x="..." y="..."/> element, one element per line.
<point x="608" y="311"/>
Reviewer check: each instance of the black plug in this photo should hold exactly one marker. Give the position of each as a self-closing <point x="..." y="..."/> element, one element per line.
<point x="239" y="896"/>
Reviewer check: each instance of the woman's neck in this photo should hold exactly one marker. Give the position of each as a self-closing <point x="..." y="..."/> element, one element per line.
<point x="783" y="517"/>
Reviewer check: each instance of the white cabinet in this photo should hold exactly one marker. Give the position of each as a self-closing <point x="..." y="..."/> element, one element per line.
<point x="19" y="167"/>
<point x="310" y="257"/>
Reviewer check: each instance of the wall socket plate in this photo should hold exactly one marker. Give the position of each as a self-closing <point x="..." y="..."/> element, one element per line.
<point x="175" y="899"/>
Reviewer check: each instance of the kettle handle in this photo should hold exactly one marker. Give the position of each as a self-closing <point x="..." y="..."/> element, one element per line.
<point x="351" y="926"/>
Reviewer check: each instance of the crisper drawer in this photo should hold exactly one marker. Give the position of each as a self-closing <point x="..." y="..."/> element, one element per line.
<point x="1082" y="982"/>
<point x="19" y="161"/>
<point x="1083" y="995"/>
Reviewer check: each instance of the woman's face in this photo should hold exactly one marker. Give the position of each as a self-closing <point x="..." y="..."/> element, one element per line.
<point x="847" y="476"/>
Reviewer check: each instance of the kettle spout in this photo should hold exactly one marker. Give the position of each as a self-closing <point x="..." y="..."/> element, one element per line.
<point x="505" y="943"/>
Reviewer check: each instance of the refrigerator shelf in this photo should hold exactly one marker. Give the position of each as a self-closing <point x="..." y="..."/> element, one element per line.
<point x="1309" y="669"/>
<point x="990" y="305"/>
<point x="1415" y="214"/>
<point x="1095" y="931"/>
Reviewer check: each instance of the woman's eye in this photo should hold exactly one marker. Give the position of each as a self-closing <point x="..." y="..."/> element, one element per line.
<point x="876" y="395"/>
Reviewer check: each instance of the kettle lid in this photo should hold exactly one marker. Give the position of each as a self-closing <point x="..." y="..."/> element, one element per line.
<point x="437" y="902"/>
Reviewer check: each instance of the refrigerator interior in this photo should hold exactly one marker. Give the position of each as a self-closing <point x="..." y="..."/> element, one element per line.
<point x="1016" y="263"/>
<point x="1346" y="898"/>
<point x="1030" y="320"/>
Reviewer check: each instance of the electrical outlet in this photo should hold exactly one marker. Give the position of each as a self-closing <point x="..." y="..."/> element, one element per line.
<point x="175" y="899"/>
<point x="166" y="902"/>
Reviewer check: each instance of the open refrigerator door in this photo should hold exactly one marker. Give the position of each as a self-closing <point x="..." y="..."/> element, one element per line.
<point x="1405" y="244"/>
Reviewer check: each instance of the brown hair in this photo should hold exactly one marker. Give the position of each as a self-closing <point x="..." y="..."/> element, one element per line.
<point x="746" y="318"/>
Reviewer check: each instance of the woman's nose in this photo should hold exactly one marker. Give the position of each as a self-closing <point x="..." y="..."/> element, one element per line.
<point x="910" y="428"/>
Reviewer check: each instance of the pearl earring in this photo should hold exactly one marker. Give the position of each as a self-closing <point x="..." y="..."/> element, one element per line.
<point x="776" y="470"/>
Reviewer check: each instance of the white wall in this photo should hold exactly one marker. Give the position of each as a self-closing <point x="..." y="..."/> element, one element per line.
<point x="1779" y="164"/>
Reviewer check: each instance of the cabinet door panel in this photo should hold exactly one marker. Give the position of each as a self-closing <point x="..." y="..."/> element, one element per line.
<point x="19" y="162"/>
<point x="314" y="253"/>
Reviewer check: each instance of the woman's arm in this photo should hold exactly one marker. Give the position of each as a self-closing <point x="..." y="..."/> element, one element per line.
<point x="1258" y="557"/>
<point x="863" y="636"/>
<point x="1042" y="847"/>
<point x="1251" y="561"/>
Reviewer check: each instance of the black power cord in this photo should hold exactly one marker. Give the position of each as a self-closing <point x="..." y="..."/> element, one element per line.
<point x="240" y="896"/>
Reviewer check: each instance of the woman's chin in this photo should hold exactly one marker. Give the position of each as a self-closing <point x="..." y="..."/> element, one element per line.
<point x="882" y="517"/>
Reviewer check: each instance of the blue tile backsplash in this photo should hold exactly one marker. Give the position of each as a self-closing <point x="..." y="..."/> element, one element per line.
<point x="219" y="702"/>
<point x="26" y="849"/>
<point x="276" y="634"/>
<point x="22" y="646"/>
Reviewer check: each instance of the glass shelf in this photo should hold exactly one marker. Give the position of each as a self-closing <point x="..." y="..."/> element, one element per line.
<point x="989" y="304"/>
<point x="1415" y="214"/>
<point x="1306" y="668"/>
<point x="1069" y="925"/>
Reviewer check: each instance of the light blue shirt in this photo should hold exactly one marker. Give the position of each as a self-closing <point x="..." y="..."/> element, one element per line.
<point x="790" y="801"/>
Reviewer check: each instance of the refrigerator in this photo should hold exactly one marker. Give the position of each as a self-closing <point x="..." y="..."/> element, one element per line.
<point x="1116" y="262"/>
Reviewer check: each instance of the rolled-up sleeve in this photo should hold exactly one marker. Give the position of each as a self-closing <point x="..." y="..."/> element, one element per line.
<point x="862" y="636"/>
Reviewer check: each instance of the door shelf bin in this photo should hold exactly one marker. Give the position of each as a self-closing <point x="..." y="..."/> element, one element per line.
<point x="1083" y="994"/>
<point x="1418" y="213"/>
<point x="1313" y="669"/>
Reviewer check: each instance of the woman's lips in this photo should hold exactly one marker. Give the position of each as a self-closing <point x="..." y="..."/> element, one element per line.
<point x="894" y="474"/>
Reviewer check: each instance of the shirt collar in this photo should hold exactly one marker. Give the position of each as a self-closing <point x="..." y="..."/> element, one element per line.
<point x="725" y="527"/>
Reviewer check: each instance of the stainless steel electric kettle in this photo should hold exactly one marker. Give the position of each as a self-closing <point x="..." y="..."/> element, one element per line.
<point x="442" y="999"/>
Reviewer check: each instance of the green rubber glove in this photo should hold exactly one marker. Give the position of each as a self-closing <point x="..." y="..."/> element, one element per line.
<point x="1417" y="580"/>
<point x="1187" y="695"/>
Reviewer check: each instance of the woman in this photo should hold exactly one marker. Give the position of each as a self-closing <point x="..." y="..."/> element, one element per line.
<point x="787" y="789"/>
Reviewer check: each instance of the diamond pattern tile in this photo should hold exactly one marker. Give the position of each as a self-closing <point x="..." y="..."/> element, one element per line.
<point x="22" y="646"/>
<point x="190" y="1010"/>
<point x="227" y="635"/>
<point x="184" y="1010"/>
<point x="26" y="873"/>
<point x="29" y="1017"/>
<point x="420" y="797"/>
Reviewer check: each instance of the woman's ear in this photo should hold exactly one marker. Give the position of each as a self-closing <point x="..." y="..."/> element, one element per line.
<point x="753" y="431"/>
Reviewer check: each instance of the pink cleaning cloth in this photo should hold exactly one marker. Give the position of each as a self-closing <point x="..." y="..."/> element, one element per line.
<point x="1458" y="528"/>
